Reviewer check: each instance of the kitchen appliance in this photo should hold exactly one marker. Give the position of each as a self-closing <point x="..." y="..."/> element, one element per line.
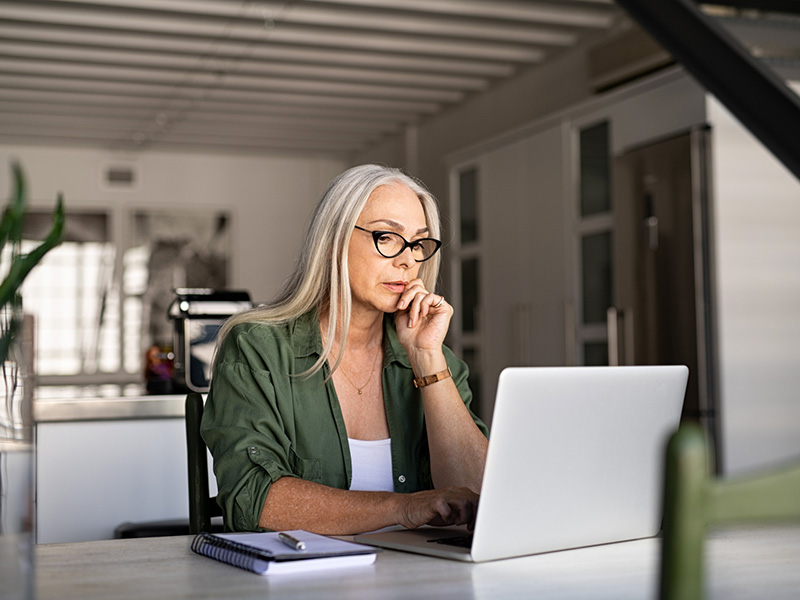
<point x="198" y="314"/>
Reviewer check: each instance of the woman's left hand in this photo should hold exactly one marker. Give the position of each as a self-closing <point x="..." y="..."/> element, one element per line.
<point x="422" y="319"/>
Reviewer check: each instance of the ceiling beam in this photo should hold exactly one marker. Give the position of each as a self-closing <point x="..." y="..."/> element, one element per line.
<point x="171" y="106"/>
<point x="467" y="20"/>
<point x="598" y="14"/>
<point x="212" y="80"/>
<point x="283" y="33"/>
<point x="78" y="35"/>
<point x="193" y="93"/>
<point x="124" y="58"/>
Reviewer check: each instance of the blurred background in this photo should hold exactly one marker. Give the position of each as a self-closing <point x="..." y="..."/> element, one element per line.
<point x="601" y="206"/>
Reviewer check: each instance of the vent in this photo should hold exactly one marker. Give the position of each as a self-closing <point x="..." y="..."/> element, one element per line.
<point x="120" y="176"/>
<point x="624" y="57"/>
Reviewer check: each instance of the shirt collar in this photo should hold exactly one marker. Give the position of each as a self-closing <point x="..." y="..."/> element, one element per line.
<point x="308" y="339"/>
<point x="392" y="347"/>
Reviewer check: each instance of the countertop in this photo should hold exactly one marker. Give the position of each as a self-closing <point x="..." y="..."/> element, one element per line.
<point x="100" y="403"/>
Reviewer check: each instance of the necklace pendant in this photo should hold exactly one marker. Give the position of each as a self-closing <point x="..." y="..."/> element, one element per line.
<point x="360" y="392"/>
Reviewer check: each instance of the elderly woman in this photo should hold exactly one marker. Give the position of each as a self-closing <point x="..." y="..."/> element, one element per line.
<point x="337" y="408"/>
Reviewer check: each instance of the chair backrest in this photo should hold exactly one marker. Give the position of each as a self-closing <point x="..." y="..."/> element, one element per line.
<point x="202" y="507"/>
<point x="694" y="500"/>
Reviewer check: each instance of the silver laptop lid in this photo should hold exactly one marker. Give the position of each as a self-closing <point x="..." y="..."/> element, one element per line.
<point x="575" y="457"/>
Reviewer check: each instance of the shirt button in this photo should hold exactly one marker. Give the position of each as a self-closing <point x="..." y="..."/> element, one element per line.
<point x="402" y="479"/>
<point x="253" y="450"/>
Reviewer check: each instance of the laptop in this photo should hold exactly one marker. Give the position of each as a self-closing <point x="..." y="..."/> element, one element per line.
<point x="575" y="459"/>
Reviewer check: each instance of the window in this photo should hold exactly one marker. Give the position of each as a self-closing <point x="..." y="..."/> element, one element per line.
<point x="100" y="301"/>
<point x="466" y="266"/>
<point x="595" y="243"/>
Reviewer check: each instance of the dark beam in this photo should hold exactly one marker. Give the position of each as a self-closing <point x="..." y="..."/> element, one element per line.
<point x="753" y="93"/>
<point x="784" y="6"/>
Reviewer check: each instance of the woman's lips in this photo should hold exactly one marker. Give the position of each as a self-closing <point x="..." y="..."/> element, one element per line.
<point x="395" y="286"/>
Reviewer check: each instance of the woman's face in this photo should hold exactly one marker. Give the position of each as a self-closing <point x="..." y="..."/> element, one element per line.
<point x="376" y="282"/>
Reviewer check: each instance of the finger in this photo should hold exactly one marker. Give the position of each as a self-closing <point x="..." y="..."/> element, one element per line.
<point x="431" y="303"/>
<point x="416" y="305"/>
<point x="417" y="309"/>
<point x="412" y="288"/>
<point x="464" y="512"/>
<point x="444" y="511"/>
<point x="473" y="513"/>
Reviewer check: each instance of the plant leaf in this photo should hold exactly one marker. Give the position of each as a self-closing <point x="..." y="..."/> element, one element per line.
<point x="12" y="215"/>
<point x="22" y="265"/>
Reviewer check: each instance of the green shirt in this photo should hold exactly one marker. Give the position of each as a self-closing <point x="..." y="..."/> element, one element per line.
<point x="263" y="421"/>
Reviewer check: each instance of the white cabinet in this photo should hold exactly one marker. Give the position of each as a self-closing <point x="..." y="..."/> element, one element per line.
<point x="529" y="289"/>
<point x="101" y="462"/>
<point x="94" y="475"/>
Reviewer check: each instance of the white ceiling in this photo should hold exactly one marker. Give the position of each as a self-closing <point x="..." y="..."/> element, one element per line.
<point x="329" y="76"/>
<point x="321" y="76"/>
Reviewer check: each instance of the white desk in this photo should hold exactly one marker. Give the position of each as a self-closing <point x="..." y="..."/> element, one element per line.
<point x="743" y="563"/>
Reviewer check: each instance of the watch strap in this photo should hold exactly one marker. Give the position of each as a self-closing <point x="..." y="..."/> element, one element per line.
<point x="420" y="382"/>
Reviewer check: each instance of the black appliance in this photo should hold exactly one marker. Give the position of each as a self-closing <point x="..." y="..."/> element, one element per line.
<point x="198" y="314"/>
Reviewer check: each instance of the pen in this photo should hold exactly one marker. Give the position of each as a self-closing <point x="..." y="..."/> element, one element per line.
<point x="292" y="542"/>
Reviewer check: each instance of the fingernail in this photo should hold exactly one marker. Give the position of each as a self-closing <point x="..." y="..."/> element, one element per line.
<point x="401" y="304"/>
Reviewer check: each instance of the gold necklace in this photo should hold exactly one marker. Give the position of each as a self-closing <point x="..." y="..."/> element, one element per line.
<point x="366" y="383"/>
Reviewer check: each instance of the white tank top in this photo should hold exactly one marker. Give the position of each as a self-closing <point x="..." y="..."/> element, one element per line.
<point x="372" y="465"/>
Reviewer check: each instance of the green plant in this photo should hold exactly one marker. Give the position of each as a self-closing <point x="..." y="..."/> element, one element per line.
<point x="20" y="264"/>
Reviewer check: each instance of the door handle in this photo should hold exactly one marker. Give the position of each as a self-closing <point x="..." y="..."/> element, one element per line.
<point x="612" y="328"/>
<point x="620" y="337"/>
<point x="651" y="225"/>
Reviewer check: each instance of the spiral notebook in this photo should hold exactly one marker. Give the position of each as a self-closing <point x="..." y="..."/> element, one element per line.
<point x="264" y="553"/>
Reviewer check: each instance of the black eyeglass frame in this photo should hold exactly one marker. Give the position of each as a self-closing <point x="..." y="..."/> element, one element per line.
<point x="406" y="244"/>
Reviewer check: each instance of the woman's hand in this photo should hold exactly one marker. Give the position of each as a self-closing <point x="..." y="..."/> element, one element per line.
<point x="423" y="318"/>
<point x="439" y="507"/>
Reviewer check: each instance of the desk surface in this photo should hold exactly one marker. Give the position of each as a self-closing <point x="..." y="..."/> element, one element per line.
<point x="742" y="563"/>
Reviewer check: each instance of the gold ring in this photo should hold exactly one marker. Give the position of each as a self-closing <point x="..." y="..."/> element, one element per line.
<point x="439" y="303"/>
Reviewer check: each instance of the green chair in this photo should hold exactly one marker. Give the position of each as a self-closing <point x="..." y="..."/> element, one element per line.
<point x="693" y="500"/>
<point x="202" y="507"/>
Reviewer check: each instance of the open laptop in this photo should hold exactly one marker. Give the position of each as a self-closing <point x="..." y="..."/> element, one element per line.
<point x="575" y="459"/>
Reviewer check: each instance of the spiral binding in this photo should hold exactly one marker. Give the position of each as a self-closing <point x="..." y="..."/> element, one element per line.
<point x="231" y="552"/>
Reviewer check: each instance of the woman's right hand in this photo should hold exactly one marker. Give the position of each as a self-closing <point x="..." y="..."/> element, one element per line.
<point x="440" y="507"/>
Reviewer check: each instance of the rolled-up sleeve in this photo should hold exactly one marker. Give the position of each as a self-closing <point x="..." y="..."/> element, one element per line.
<point x="245" y="431"/>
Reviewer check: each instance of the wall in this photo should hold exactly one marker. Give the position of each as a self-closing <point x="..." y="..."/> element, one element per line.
<point x="756" y="203"/>
<point x="757" y="206"/>
<point x="270" y="197"/>
<point x="528" y="233"/>
<point x="534" y="92"/>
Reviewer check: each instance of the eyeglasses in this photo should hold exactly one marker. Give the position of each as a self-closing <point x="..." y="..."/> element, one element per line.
<point x="390" y="244"/>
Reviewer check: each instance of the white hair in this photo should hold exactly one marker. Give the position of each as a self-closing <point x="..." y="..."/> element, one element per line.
<point x="321" y="276"/>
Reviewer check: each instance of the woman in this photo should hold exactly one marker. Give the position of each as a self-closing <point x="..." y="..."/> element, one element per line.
<point x="314" y="417"/>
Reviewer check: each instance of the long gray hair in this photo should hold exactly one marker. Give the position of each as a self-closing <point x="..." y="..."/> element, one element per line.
<point x="321" y="278"/>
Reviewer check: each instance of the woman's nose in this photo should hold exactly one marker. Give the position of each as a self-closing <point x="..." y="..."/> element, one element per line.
<point x="405" y="258"/>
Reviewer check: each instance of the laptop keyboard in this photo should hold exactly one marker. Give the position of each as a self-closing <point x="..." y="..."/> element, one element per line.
<point x="462" y="541"/>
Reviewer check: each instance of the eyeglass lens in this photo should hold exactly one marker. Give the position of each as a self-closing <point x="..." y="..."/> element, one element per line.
<point x="391" y="244"/>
